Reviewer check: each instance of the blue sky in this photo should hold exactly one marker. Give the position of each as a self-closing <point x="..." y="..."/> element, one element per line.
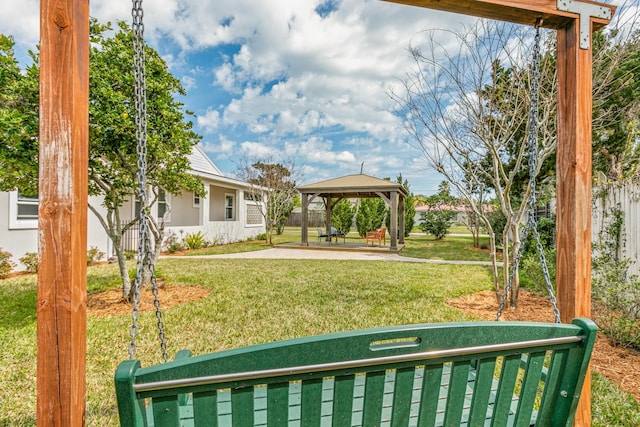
<point x="306" y="80"/>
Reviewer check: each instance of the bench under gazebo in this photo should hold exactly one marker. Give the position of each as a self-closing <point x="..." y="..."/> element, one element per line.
<point x="358" y="186"/>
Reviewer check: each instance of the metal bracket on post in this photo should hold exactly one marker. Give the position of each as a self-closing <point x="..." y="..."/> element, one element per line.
<point x="586" y="12"/>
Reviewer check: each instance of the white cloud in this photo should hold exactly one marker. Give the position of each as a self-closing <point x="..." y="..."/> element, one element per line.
<point x="189" y="83"/>
<point x="286" y="81"/>
<point x="209" y="121"/>
<point x="257" y="150"/>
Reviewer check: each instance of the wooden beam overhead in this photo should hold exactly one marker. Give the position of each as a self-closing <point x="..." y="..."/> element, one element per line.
<point x="516" y="11"/>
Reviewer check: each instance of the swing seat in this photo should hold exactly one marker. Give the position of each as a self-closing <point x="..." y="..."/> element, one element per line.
<point x="453" y="374"/>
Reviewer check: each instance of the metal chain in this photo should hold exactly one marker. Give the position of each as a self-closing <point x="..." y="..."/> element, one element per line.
<point x="531" y="226"/>
<point x="145" y="254"/>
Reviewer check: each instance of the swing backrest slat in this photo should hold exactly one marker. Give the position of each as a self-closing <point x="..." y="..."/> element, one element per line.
<point x="476" y="373"/>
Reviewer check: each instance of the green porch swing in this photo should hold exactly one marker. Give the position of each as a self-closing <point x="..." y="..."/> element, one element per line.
<point x="449" y="374"/>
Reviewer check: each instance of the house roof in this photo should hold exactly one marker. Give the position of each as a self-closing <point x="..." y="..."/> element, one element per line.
<point x="353" y="186"/>
<point x="200" y="162"/>
<point x="202" y="166"/>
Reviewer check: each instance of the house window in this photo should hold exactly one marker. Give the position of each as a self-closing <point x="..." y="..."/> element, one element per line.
<point x="229" y="205"/>
<point x="196" y="201"/>
<point x="252" y="197"/>
<point x="162" y="203"/>
<point x="23" y="211"/>
<point x="27" y="207"/>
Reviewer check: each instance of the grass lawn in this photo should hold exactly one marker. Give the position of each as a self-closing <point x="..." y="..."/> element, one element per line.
<point x="252" y="301"/>
<point x="448" y="248"/>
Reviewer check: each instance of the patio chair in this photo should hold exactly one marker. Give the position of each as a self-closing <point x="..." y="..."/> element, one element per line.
<point x="322" y="234"/>
<point x="376" y="236"/>
<point x="335" y="233"/>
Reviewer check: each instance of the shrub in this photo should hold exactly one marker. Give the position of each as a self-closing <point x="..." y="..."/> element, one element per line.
<point x="547" y="231"/>
<point x="172" y="243"/>
<point x="30" y="261"/>
<point x="617" y="293"/>
<point x="94" y="255"/>
<point x="436" y="222"/>
<point x="530" y="270"/>
<point x="262" y="236"/>
<point x="6" y="265"/>
<point x="342" y="216"/>
<point x="498" y="222"/>
<point x="194" y="240"/>
<point x="370" y="215"/>
<point x="129" y="254"/>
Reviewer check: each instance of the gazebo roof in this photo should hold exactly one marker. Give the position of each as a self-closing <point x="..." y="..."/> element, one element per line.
<point x="353" y="186"/>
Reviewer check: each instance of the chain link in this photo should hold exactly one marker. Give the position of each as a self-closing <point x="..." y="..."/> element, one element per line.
<point x="144" y="257"/>
<point x="532" y="226"/>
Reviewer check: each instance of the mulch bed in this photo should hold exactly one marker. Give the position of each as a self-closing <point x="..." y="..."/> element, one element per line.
<point x="111" y="303"/>
<point x="618" y="365"/>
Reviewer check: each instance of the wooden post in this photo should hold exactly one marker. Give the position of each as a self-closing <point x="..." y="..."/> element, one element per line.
<point x="393" y="222"/>
<point x="64" y="124"/>
<point x="401" y="219"/>
<point x="573" y="224"/>
<point x="304" y="240"/>
<point x="327" y="217"/>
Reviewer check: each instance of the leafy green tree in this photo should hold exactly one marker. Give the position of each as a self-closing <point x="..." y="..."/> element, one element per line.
<point x="616" y="103"/>
<point x="371" y="215"/>
<point x="409" y="207"/>
<point x="18" y="122"/>
<point x="437" y="220"/>
<point x="342" y="215"/>
<point x="113" y="155"/>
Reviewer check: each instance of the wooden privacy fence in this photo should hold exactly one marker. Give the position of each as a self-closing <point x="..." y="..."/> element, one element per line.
<point x="316" y="219"/>
<point x="625" y="198"/>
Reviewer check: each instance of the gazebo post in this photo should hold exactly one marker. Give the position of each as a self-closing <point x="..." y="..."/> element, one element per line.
<point x="401" y="221"/>
<point x="393" y="195"/>
<point x="305" y="220"/>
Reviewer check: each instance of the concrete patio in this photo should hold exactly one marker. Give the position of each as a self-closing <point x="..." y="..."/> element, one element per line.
<point x="348" y="245"/>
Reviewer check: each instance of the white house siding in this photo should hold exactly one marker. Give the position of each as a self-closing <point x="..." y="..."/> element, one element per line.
<point x="215" y="226"/>
<point x="21" y="237"/>
<point x="209" y="217"/>
<point x="216" y="198"/>
<point x="183" y="211"/>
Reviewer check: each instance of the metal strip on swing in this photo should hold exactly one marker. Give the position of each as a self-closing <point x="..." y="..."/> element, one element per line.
<point x="350" y="364"/>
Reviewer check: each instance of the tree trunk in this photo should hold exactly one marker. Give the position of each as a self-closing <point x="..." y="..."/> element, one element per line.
<point x="494" y="258"/>
<point x="114" y="230"/>
<point x="506" y="258"/>
<point x="515" y="286"/>
<point x="124" y="273"/>
<point x="157" y="230"/>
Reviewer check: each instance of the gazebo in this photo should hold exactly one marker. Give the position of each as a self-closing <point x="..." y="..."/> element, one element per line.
<point x="357" y="186"/>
